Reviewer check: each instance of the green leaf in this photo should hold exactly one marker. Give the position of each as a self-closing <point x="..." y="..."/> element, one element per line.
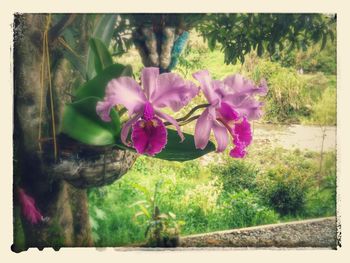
<point x="104" y="32"/>
<point x="81" y="122"/>
<point x="96" y="86"/>
<point x="185" y="151"/>
<point x="177" y="151"/>
<point x="145" y="211"/>
<point x="103" y="58"/>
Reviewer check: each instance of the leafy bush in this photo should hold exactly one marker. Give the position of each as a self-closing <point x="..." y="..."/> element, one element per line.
<point x="285" y="190"/>
<point x="320" y="202"/>
<point x="236" y="175"/>
<point x="244" y="209"/>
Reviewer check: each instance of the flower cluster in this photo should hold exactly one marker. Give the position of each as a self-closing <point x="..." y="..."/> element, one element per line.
<point x="232" y="105"/>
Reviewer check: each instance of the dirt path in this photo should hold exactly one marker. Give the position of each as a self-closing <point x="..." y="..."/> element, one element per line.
<point x="296" y="136"/>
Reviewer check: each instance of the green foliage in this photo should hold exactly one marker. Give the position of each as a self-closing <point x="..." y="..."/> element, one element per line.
<point x="81" y="122"/>
<point x="285" y="190"/>
<point x="320" y="203"/>
<point x="325" y="110"/>
<point x="239" y="34"/>
<point x="182" y="151"/>
<point x="198" y="196"/>
<point x="237" y="176"/>
<point x="311" y="60"/>
<point x="19" y="240"/>
<point x="103" y="58"/>
<point x="103" y="30"/>
<point x="96" y="86"/>
<point x="244" y="209"/>
<point x="191" y="60"/>
<point x="96" y="215"/>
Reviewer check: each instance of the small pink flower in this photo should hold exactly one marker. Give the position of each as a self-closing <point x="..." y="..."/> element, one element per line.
<point x="29" y="210"/>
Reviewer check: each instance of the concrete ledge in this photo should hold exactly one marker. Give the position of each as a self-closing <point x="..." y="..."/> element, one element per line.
<point x="320" y="232"/>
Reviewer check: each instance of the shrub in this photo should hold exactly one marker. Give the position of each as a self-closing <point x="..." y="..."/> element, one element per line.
<point x="236" y="175"/>
<point x="320" y="202"/>
<point x="285" y="190"/>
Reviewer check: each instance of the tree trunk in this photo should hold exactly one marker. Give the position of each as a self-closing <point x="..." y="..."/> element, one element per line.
<point x="58" y="185"/>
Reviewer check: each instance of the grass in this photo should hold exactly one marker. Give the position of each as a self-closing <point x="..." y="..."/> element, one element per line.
<point x="201" y="194"/>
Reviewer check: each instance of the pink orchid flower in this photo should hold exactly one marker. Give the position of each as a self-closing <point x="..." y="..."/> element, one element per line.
<point x="231" y="106"/>
<point x="29" y="209"/>
<point x="149" y="134"/>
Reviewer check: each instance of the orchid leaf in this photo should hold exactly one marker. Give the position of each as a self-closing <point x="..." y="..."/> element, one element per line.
<point x="104" y="32"/>
<point x="179" y="151"/>
<point x="103" y="58"/>
<point x="182" y="151"/>
<point x="81" y="122"/>
<point x="96" y="86"/>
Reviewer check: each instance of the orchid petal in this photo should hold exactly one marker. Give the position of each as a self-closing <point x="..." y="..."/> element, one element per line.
<point x="172" y="91"/>
<point x="149" y="80"/>
<point x="103" y="108"/>
<point x="173" y="122"/>
<point x="126" y="128"/>
<point x="235" y="83"/>
<point x="149" y="136"/>
<point x="202" y="130"/>
<point x="227" y="112"/>
<point x="249" y="107"/>
<point x="205" y="80"/>
<point x="238" y="84"/>
<point x="263" y="89"/>
<point x="221" y="136"/>
<point x="126" y="91"/>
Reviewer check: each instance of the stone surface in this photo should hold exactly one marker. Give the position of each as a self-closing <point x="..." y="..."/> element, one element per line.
<point x="306" y="233"/>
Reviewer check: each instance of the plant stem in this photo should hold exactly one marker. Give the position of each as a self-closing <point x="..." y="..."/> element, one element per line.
<point x="189" y="120"/>
<point x="324" y="129"/>
<point x="188" y="115"/>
